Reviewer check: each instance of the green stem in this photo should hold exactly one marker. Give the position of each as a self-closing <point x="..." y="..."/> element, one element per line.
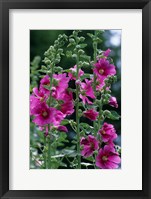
<point x="77" y="115"/>
<point x="49" y="153"/>
<point x="50" y="103"/>
<point x="94" y="83"/>
<point x="45" y="157"/>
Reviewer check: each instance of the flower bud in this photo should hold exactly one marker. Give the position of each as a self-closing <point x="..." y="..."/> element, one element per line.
<point x="72" y="41"/>
<point x="106" y="113"/>
<point x="78" y="46"/>
<point x="43" y="67"/>
<point x="82" y="39"/>
<point x="60" y="50"/>
<point x="78" y="82"/>
<point x="74" y="56"/>
<point x="81" y="52"/>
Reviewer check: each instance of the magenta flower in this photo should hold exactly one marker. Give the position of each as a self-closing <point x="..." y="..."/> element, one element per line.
<point x="36" y="99"/>
<point x="67" y="108"/>
<point x="107" y="52"/>
<point x="72" y="74"/>
<point x="103" y="68"/>
<point x="62" y="85"/>
<point x="108" y="132"/>
<point x="47" y="115"/>
<point x="90" y="144"/>
<point x="113" y="102"/>
<point x="45" y="81"/>
<point x="62" y="128"/>
<point x="86" y="91"/>
<point x="91" y="114"/>
<point x="108" y="158"/>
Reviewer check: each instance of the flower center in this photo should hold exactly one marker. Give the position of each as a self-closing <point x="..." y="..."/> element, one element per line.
<point x="101" y="71"/>
<point x="104" y="158"/>
<point x="103" y="132"/>
<point x="42" y="99"/>
<point x="92" y="145"/>
<point x="45" y="114"/>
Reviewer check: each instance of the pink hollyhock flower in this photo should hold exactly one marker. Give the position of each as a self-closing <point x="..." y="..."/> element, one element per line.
<point x="47" y="115"/>
<point x="45" y="81"/>
<point x="103" y="68"/>
<point x="107" y="52"/>
<point x="113" y="102"/>
<point x="90" y="144"/>
<point x="73" y="72"/>
<point x="107" y="158"/>
<point x="86" y="91"/>
<point x="67" y="108"/>
<point x="108" y="132"/>
<point x="36" y="98"/>
<point x="62" y="128"/>
<point x="91" y="114"/>
<point x="62" y="84"/>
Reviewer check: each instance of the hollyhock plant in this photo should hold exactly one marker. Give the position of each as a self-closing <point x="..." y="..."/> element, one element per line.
<point x="108" y="132"/>
<point x="91" y="114"/>
<point x="73" y="72"/>
<point x="86" y="91"/>
<point x="108" y="158"/>
<point x="90" y="144"/>
<point x="103" y="68"/>
<point x="113" y="102"/>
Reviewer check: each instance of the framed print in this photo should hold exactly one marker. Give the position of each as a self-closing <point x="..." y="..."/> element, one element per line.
<point x="75" y="99"/>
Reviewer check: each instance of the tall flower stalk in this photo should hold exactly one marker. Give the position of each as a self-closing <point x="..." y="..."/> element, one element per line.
<point x="53" y="102"/>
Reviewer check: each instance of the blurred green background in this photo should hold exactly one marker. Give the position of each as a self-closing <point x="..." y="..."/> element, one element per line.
<point x="40" y="40"/>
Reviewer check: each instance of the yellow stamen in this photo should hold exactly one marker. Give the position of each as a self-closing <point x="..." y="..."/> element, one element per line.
<point x="104" y="158"/>
<point x="101" y="71"/>
<point x="44" y="113"/>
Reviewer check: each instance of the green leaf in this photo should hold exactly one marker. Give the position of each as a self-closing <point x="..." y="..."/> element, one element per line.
<point x="87" y="58"/>
<point x="113" y="115"/>
<point x="65" y="122"/>
<point x="90" y="159"/>
<point x="69" y="152"/>
<point x="82" y="45"/>
<point x="90" y="35"/>
<point x="57" y="156"/>
<point x="85" y="76"/>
